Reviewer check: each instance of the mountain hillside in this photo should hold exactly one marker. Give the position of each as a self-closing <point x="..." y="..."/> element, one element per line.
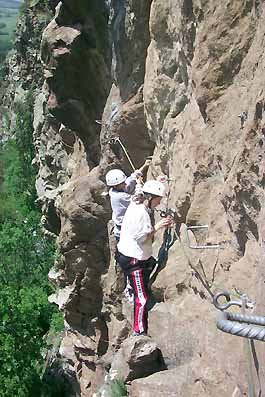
<point x="9" y="11"/>
<point x="15" y="4"/>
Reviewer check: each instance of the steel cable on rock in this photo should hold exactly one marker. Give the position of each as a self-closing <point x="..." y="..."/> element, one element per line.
<point x="235" y="324"/>
<point x="250" y="327"/>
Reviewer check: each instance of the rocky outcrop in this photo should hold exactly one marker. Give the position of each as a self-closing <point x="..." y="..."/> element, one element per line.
<point x="75" y="54"/>
<point x="22" y="70"/>
<point x="124" y="111"/>
<point x="137" y="358"/>
<point x="203" y="66"/>
<point x="179" y="76"/>
<point x="167" y="384"/>
<point x="211" y="161"/>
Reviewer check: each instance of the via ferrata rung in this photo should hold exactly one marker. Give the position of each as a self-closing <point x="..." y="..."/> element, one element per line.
<point x="200" y="247"/>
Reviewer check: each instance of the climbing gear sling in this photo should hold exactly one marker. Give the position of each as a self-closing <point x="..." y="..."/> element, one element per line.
<point x="168" y="241"/>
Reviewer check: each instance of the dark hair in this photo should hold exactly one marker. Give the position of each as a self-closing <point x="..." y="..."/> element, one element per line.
<point x="140" y="198"/>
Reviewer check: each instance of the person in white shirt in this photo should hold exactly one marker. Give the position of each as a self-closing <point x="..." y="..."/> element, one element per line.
<point x="121" y="190"/>
<point x="134" y="250"/>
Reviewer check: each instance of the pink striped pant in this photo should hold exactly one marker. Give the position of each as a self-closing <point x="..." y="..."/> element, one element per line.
<point x="139" y="279"/>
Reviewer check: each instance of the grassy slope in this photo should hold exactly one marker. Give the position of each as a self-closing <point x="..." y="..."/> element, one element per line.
<point x="10" y="4"/>
<point x="8" y="18"/>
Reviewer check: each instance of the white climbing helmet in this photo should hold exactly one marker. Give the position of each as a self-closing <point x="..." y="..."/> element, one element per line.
<point x="154" y="187"/>
<point x="115" y="177"/>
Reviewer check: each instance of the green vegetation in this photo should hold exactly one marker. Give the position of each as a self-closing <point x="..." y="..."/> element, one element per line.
<point x="25" y="258"/>
<point x="42" y="6"/>
<point x="8" y="19"/>
<point x="118" y="388"/>
<point x="12" y="4"/>
<point x="9" y="13"/>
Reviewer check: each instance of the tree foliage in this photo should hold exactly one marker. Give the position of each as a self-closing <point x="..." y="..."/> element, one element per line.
<point x="25" y="258"/>
<point x="118" y="388"/>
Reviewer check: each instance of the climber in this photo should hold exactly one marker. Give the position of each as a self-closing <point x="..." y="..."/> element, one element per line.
<point x="122" y="189"/>
<point x="121" y="192"/>
<point x="134" y="250"/>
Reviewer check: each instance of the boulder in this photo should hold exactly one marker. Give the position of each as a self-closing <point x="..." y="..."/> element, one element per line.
<point x="137" y="357"/>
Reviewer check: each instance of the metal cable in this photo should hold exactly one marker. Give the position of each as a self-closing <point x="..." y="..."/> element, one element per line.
<point x="226" y="323"/>
<point x="126" y="153"/>
<point x="245" y="318"/>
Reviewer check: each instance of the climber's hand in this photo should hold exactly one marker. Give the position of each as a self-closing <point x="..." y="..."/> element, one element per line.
<point x="162" y="178"/>
<point x="163" y="223"/>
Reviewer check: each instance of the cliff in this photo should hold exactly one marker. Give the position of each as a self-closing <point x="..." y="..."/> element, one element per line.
<point x="170" y="79"/>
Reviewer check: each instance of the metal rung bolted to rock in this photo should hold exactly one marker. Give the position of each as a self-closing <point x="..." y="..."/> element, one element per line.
<point x="199" y="247"/>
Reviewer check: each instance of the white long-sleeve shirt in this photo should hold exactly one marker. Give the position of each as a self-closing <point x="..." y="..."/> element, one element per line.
<point x="135" y="228"/>
<point x="120" y="202"/>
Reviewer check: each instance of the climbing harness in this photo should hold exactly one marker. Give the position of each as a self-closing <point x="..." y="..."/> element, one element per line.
<point x="251" y="327"/>
<point x="199" y="247"/>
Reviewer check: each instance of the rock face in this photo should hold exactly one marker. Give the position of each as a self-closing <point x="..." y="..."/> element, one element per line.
<point x="22" y="69"/>
<point x="137" y="357"/>
<point x="201" y="73"/>
<point x="184" y="82"/>
<point x="76" y="58"/>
